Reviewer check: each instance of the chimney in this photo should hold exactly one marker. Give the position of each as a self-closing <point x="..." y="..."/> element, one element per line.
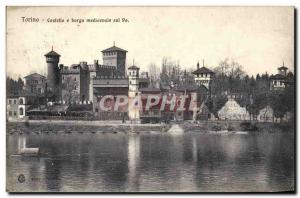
<point x="198" y="65"/>
<point x="96" y="62"/>
<point x="147" y="76"/>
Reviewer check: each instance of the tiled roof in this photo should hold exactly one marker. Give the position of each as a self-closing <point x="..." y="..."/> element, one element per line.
<point x="278" y="77"/>
<point x="149" y="89"/>
<point x="52" y="53"/>
<point x="203" y="70"/>
<point x="34" y="74"/>
<point x="133" y="67"/>
<point x="283" y="68"/>
<point x="113" y="48"/>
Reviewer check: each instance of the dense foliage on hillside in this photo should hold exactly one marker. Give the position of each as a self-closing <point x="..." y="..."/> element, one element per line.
<point x="252" y="92"/>
<point x="14" y="87"/>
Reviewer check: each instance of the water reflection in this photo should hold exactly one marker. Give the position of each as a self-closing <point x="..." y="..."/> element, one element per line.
<point x="152" y="162"/>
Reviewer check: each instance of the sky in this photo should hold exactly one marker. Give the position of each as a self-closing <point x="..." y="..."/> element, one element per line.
<point x="258" y="38"/>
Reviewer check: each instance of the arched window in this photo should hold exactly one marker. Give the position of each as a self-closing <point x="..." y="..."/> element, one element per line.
<point x="21" y="111"/>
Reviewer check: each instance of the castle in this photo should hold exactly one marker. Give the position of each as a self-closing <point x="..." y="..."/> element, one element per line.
<point x="85" y="83"/>
<point x="88" y="85"/>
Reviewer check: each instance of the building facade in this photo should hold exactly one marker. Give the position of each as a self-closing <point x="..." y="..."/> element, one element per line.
<point x="203" y="76"/>
<point x="279" y="80"/>
<point x="35" y="83"/>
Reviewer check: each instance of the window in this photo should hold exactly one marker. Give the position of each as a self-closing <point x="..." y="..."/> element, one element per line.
<point x="75" y="87"/>
<point x="15" y="101"/>
<point x="201" y="75"/>
<point x="15" y="113"/>
<point x="21" y="101"/>
<point x="21" y="111"/>
<point x="130" y="82"/>
<point x="75" y="79"/>
<point x="10" y="113"/>
<point x="129" y="73"/>
<point x="9" y="101"/>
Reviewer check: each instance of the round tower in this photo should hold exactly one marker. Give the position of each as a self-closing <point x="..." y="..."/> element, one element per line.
<point x="52" y="59"/>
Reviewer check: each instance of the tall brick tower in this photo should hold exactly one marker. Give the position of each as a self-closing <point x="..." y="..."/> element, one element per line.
<point x="115" y="56"/>
<point x="52" y="59"/>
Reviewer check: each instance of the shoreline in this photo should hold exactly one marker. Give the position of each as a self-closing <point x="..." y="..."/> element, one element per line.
<point x="93" y="123"/>
<point x="187" y="125"/>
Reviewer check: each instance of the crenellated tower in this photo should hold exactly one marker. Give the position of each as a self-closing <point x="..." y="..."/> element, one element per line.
<point x="115" y="56"/>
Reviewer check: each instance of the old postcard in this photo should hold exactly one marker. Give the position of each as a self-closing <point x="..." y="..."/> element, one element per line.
<point x="150" y="99"/>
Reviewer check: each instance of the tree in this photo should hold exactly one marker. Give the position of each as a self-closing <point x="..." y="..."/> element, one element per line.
<point x="69" y="90"/>
<point x="171" y="72"/>
<point x="14" y="87"/>
<point x="154" y="74"/>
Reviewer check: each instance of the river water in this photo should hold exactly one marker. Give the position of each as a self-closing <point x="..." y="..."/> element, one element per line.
<point x="146" y="162"/>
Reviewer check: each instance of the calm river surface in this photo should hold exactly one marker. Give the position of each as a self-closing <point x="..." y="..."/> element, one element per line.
<point x="155" y="161"/>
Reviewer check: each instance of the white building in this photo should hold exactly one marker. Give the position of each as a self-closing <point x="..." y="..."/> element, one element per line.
<point x="203" y="76"/>
<point x="15" y="108"/>
<point x="233" y="111"/>
<point x="133" y="78"/>
<point x="266" y="114"/>
<point x="277" y="82"/>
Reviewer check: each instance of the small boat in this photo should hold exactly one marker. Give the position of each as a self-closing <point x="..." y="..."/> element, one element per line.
<point x="30" y="151"/>
<point x="37" y="132"/>
<point x="241" y="132"/>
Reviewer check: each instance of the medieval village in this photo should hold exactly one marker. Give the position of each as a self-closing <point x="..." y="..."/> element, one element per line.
<point x="111" y="115"/>
<point x="189" y="99"/>
<point x="221" y="93"/>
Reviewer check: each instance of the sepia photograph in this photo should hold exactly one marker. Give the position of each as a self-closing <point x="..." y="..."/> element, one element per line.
<point x="150" y="99"/>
